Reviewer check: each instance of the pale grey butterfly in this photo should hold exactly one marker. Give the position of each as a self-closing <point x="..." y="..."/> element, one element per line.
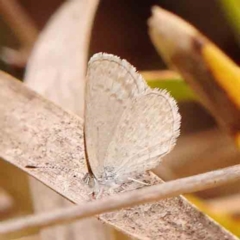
<point x="128" y="126"/>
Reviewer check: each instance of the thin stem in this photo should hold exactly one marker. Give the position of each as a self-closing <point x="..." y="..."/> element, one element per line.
<point x="128" y="199"/>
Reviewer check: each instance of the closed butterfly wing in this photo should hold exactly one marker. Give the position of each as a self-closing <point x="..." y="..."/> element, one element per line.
<point x="111" y="84"/>
<point x="146" y="132"/>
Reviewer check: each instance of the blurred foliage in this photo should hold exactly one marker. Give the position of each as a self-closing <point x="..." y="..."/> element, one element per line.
<point x="232" y="11"/>
<point x="211" y="74"/>
<point x="226" y="220"/>
<point x="170" y="81"/>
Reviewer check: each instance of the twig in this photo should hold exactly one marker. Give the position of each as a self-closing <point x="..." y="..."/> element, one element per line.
<point x="115" y="202"/>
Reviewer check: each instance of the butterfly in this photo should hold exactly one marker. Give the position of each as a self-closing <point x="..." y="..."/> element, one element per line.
<point x="128" y="127"/>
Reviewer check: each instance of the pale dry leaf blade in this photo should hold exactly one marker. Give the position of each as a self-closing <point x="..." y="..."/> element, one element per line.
<point x="57" y="69"/>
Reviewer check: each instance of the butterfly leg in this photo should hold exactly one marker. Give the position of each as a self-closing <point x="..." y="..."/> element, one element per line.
<point x="88" y="179"/>
<point x="123" y="189"/>
<point x="99" y="193"/>
<point x="140" y="182"/>
<point x="96" y="189"/>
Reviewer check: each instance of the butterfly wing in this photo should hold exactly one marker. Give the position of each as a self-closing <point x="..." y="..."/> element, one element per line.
<point x="111" y="84"/>
<point x="146" y="132"/>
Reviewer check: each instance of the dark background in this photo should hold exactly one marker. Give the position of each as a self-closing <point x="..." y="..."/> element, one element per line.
<point x="120" y="27"/>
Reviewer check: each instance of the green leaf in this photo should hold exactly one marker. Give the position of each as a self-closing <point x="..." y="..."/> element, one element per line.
<point x="177" y="88"/>
<point x="232" y="11"/>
